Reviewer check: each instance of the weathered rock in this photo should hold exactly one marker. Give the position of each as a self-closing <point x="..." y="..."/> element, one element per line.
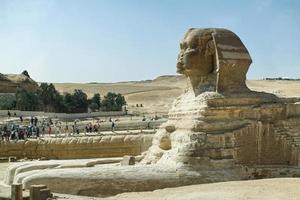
<point x="35" y="192"/>
<point x="17" y="191"/>
<point x="10" y="82"/>
<point x="128" y="160"/>
<point x="75" y="148"/>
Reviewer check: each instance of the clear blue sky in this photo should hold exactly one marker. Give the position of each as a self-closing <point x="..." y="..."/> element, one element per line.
<point x="118" y="40"/>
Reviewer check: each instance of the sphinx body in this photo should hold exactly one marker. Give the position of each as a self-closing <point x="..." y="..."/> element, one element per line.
<point x="218" y="130"/>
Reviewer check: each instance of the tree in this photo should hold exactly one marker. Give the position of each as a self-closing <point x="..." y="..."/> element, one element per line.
<point x="7" y="101"/>
<point x="26" y="100"/>
<point x="120" y="102"/>
<point x="95" y="102"/>
<point x="81" y="101"/>
<point x="76" y="102"/>
<point x="52" y="100"/>
<point x="113" y="102"/>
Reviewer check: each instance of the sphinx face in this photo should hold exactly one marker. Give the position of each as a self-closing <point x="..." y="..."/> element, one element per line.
<point x="193" y="58"/>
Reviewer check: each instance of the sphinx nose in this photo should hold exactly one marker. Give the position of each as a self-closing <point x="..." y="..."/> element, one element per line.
<point x="180" y="56"/>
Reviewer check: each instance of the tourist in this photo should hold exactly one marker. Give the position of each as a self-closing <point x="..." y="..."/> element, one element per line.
<point x="35" y="121"/>
<point x="77" y="129"/>
<point x="31" y="120"/>
<point x="87" y="128"/>
<point x="66" y="129"/>
<point x="21" y="119"/>
<point x="49" y="129"/>
<point x="95" y="128"/>
<point x="37" y="132"/>
<point x="73" y="129"/>
<point x="43" y="130"/>
<point x="8" y="114"/>
<point x="90" y="127"/>
<point x="112" y="126"/>
<point x="99" y="126"/>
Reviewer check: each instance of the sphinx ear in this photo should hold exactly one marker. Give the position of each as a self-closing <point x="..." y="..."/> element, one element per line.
<point x="210" y="48"/>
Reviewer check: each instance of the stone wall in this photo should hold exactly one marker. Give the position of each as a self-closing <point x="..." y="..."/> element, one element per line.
<point x="63" y="115"/>
<point x="77" y="147"/>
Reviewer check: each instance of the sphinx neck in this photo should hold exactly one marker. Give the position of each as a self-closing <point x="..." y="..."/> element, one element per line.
<point x="199" y="84"/>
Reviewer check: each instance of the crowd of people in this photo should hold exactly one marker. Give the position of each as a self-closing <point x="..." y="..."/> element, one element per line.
<point x="15" y="131"/>
<point x="45" y="127"/>
<point x="34" y="127"/>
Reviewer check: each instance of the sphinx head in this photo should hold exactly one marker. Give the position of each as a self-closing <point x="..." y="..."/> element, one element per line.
<point x="196" y="53"/>
<point x="213" y="59"/>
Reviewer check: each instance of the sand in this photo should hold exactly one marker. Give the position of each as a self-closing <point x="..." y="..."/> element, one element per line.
<point x="157" y="95"/>
<point x="268" y="189"/>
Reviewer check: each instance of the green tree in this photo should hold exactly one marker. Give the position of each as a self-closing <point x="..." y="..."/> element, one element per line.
<point x="26" y="100"/>
<point x="76" y="102"/>
<point x="95" y="102"/>
<point x="120" y="101"/>
<point x="113" y="102"/>
<point x="7" y="101"/>
<point x="52" y="100"/>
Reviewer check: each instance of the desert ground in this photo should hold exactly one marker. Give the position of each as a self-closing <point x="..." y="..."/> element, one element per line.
<point x="268" y="189"/>
<point x="157" y="95"/>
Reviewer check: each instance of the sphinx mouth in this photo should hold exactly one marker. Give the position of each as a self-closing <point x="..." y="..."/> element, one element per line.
<point x="180" y="68"/>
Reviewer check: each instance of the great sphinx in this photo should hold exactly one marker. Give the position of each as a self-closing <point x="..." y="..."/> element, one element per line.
<point x="218" y="130"/>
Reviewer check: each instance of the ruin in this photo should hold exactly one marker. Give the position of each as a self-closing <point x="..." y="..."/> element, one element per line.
<point x="218" y="130"/>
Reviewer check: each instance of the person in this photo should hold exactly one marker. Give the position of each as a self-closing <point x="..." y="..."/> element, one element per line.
<point x="21" y="119"/>
<point x="35" y="121"/>
<point x="49" y="129"/>
<point x="87" y="128"/>
<point x="73" y="129"/>
<point x="66" y="129"/>
<point x="95" y="128"/>
<point x="43" y="130"/>
<point x="77" y="129"/>
<point x="37" y="132"/>
<point x="90" y="127"/>
<point x="31" y="120"/>
<point x="112" y="126"/>
<point x="98" y="126"/>
<point x="8" y="114"/>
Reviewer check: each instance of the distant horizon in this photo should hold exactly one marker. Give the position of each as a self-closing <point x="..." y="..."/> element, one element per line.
<point x="119" y="41"/>
<point x="121" y="81"/>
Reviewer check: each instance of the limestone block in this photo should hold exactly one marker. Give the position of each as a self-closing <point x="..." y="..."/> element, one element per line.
<point x="17" y="191"/>
<point x="35" y="191"/>
<point x="128" y="160"/>
<point x="45" y="194"/>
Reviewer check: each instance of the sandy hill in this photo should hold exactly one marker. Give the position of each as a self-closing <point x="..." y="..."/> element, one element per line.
<point x="10" y="82"/>
<point x="158" y="94"/>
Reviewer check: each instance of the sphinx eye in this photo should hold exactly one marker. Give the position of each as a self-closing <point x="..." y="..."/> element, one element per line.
<point x="181" y="46"/>
<point x="193" y="45"/>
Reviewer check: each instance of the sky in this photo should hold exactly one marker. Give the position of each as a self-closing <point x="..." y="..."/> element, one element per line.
<point x="123" y="40"/>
